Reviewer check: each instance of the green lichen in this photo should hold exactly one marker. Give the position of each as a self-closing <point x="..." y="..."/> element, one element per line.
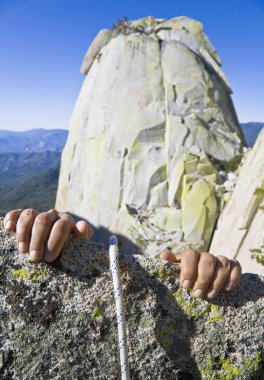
<point x="258" y="254"/>
<point x="97" y="313"/>
<point x="29" y="274"/>
<point x="89" y="267"/>
<point x="224" y="368"/>
<point x="98" y="310"/>
<point x="195" y="308"/>
<point x="166" y="335"/>
<point x="163" y="274"/>
<point x="214" y="315"/>
<point x="259" y="192"/>
<point x="253" y="364"/>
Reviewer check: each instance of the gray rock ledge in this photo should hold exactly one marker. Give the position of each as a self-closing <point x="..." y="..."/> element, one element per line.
<point x="57" y="321"/>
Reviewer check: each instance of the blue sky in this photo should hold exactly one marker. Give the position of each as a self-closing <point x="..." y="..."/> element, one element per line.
<point x="43" y="43"/>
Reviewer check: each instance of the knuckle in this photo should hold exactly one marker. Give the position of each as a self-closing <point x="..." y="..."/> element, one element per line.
<point x="43" y="218"/>
<point x="189" y="252"/>
<point x="8" y="215"/>
<point x="208" y="259"/>
<point x="237" y="265"/>
<point x="28" y="212"/>
<point x="225" y="262"/>
<point x="65" y="223"/>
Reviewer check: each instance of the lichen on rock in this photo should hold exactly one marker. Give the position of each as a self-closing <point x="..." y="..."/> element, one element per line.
<point x="63" y="325"/>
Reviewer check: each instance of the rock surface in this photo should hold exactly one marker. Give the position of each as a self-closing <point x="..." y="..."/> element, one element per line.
<point x="58" y="321"/>
<point x="240" y="228"/>
<point x="153" y="125"/>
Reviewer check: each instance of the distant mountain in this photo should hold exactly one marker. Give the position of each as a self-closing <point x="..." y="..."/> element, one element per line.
<point x="15" y="167"/>
<point x="28" y="180"/>
<point x="37" y="191"/>
<point x="34" y="140"/>
<point x="251" y="131"/>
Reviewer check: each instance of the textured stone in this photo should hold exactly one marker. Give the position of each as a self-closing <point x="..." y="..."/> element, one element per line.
<point x="154" y="113"/>
<point x="58" y="321"/>
<point x="98" y="43"/>
<point x="241" y="224"/>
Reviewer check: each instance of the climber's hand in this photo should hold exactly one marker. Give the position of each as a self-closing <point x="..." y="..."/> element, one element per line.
<point x="205" y="273"/>
<point x="43" y="234"/>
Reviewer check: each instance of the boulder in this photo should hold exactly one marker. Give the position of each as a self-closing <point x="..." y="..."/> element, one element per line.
<point x="57" y="321"/>
<point x="152" y="127"/>
<point x="240" y="230"/>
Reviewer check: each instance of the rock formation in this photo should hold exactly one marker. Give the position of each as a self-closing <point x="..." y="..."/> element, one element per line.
<point x="58" y="321"/>
<point x="152" y="127"/>
<point x="240" y="229"/>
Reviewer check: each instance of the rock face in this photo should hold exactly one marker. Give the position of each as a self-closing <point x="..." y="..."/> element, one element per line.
<point x="153" y="125"/>
<point x="240" y="229"/>
<point x="58" y="321"/>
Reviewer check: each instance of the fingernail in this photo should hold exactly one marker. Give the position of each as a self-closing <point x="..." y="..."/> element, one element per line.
<point x="48" y="256"/>
<point x="197" y="293"/>
<point x="22" y="247"/>
<point x="187" y="284"/>
<point x="230" y="285"/>
<point x="9" y="225"/>
<point x="212" y="294"/>
<point x="34" y="255"/>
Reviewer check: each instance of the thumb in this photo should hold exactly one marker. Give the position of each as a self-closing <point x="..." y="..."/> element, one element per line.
<point x="171" y="257"/>
<point x="82" y="229"/>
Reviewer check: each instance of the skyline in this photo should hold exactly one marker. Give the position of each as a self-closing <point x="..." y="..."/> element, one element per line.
<point x="43" y="45"/>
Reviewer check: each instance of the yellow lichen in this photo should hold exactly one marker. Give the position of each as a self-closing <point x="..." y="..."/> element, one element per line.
<point x="97" y="312"/>
<point x="29" y="274"/>
<point x="228" y="370"/>
<point x="195" y="308"/>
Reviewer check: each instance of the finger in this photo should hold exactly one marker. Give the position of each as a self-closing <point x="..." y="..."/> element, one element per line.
<point x="234" y="275"/>
<point x="189" y="261"/>
<point x="222" y="270"/>
<point x="82" y="229"/>
<point x="40" y="232"/>
<point x="59" y="234"/>
<point x="169" y="256"/>
<point x="205" y="273"/>
<point x="10" y="220"/>
<point x="23" y="228"/>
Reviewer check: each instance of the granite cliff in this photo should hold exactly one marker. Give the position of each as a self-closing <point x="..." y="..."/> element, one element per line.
<point x="152" y="137"/>
<point x="240" y="229"/>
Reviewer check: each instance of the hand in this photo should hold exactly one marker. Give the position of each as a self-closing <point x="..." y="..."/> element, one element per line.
<point x="43" y="234"/>
<point x="205" y="273"/>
